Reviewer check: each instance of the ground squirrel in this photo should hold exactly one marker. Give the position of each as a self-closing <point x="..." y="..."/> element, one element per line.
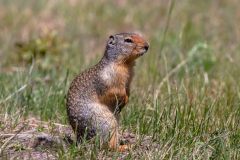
<point x="96" y="96"/>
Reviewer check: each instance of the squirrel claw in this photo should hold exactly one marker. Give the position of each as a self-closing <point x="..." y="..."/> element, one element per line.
<point x="123" y="148"/>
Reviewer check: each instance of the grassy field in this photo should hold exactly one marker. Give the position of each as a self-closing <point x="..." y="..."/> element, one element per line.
<point x="185" y="97"/>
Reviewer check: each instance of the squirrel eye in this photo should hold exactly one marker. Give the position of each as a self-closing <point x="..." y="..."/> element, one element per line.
<point x="128" y="40"/>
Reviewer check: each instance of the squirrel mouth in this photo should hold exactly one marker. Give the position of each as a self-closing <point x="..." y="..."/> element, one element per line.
<point x="143" y="50"/>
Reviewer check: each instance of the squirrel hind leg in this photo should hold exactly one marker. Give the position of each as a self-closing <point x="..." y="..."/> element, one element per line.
<point x="97" y="120"/>
<point x="104" y="123"/>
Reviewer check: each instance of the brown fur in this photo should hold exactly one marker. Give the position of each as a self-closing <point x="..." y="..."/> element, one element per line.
<point x="96" y="96"/>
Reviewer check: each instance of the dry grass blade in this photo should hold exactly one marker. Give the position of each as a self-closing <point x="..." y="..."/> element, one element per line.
<point x="165" y="79"/>
<point x="9" y="140"/>
<point x="11" y="95"/>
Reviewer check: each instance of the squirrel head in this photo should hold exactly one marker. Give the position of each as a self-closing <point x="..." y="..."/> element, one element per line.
<point x="125" y="47"/>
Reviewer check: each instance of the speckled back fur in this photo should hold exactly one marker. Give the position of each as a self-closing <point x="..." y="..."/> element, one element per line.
<point x="96" y="96"/>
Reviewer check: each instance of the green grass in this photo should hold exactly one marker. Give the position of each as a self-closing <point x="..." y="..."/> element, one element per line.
<point x="185" y="95"/>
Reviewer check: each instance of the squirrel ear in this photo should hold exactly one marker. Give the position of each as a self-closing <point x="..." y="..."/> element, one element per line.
<point x="111" y="37"/>
<point x="111" y="40"/>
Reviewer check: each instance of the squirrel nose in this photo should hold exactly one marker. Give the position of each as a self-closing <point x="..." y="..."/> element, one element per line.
<point x="146" y="46"/>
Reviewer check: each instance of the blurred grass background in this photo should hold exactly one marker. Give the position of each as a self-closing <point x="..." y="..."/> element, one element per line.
<point x="185" y="93"/>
